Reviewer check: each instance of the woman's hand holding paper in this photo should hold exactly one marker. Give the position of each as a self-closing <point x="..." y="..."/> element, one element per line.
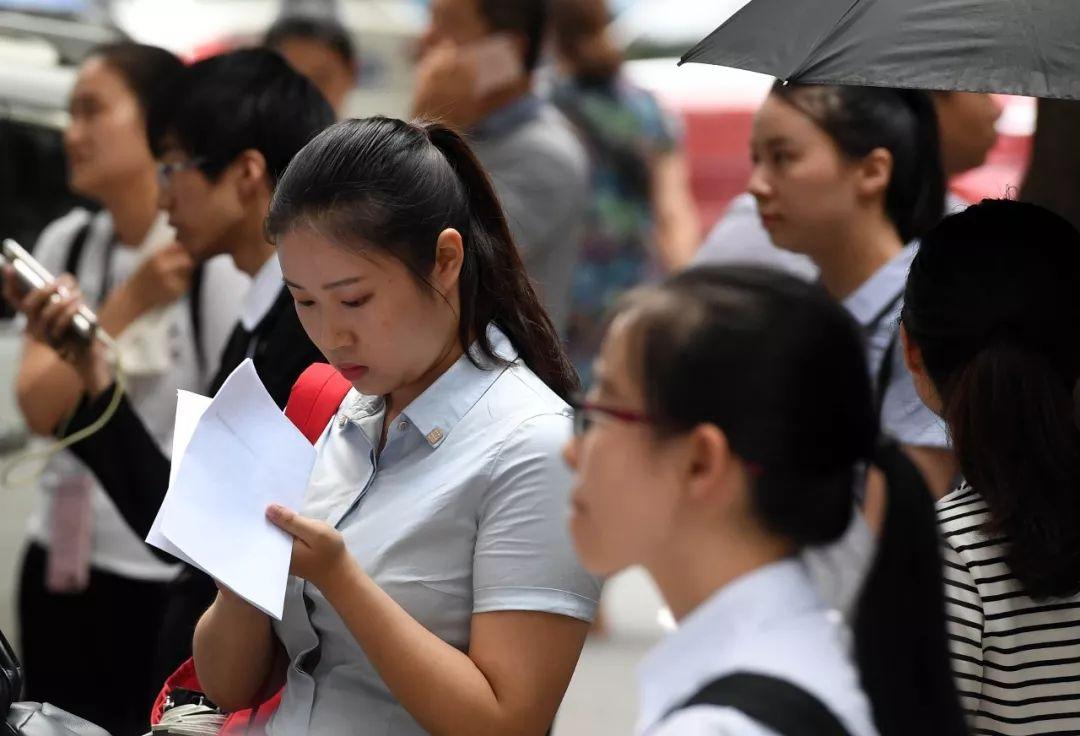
<point x="319" y="554"/>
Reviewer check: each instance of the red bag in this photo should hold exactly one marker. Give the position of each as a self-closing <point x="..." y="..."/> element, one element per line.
<point x="314" y="400"/>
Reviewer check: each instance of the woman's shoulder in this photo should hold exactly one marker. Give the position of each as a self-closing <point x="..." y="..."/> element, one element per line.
<point x="521" y="410"/>
<point x="54" y="241"/>
<point x="962" y="512"/>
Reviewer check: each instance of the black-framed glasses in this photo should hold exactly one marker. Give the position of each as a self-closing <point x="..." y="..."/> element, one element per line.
<point x="586" y="413"/>
<point x="166" y="170"/>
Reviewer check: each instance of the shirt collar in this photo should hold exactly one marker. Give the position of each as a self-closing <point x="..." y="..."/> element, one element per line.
<point x="508" y="117"/>
<point x="709" y="640"/>
<point x="261" y="295"/>
<point x="881" y="289"/>
<point x="436" y="411"/>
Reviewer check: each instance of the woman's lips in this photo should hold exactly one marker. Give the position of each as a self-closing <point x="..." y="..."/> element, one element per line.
<point x="353" y="372"/>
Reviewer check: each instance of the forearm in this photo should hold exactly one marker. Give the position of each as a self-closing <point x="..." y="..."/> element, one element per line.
<point x="126" y="460"/>
<point x="413" y="662"/>
<point x="119" y="311"/>
<point x="47" y="389"/>
<point x="235" y="654"/>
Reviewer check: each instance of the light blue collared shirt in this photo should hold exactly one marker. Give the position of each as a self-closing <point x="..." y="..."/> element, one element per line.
<point x="463" y="512"/>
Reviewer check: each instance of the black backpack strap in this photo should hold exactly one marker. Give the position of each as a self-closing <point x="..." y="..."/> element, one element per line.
<point x="75" y="251"/>
<point x="195" y="297"/>
<point x="770" y="701"/>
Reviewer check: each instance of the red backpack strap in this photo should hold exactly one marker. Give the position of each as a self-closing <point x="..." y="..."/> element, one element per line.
<point x="315" y="399"/>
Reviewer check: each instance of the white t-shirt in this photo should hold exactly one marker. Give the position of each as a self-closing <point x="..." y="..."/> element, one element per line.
<point x="115" y="548"/>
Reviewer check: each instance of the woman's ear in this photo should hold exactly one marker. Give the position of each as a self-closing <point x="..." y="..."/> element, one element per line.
<point x="924" y="386"/>
<point x="449" y="257"/>
<point x="875" y="171"/>
<point x="709" y="465"/>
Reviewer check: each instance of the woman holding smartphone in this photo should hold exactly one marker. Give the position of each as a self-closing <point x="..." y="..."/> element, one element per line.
<point x="83" y="562"/>
<point x="431" y="554"/>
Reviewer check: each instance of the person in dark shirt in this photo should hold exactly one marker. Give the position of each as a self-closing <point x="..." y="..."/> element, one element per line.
<point x="223" y="135"/>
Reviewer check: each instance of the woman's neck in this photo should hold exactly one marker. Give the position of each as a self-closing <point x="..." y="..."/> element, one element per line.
<point x="134" y="210"/>
<point x="696" y="566"/>
<point x="857" y="254"/>
<point x="402" y="397"/>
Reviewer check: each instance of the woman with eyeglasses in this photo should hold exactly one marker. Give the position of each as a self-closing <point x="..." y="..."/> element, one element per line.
<point x="731" y="415"/>
<point x="91" y="593"/>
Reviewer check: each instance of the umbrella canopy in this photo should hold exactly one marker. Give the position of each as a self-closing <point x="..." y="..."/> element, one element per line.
<point x="1017" y="47"/>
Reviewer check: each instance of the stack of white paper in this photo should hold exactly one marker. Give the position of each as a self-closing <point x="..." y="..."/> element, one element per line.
<point x="232" y="457"/>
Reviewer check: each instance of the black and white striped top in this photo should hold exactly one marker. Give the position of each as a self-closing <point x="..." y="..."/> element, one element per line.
<point x="1016" y="660"/>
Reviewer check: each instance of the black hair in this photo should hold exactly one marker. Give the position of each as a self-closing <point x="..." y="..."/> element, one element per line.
<point x="327" y="31"/>
<point x="395" y="186"/>
<point x="904" y="122"/>
<point x="781" y="369"/>
<point x="529" y="18"/>
<point x="993" y="303"/>
<point x="249" y="99"/>
<point x="147" y="70"/>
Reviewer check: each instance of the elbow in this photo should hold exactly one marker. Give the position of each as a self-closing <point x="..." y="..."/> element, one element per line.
<point x="37" y="420"/>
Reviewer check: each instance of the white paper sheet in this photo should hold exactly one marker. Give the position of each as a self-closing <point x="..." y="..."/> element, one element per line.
<point x="189" y="409"/>
<point x="242" y="455"/>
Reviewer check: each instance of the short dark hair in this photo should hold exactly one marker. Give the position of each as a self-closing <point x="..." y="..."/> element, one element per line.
<point x="780" y="368"/>
<point x="148" y="71"/>
<point x="394" y="186"/>
<point x="993" y="303"/>
<point x="526" y="17"/>
<point x="326" y="31"/>
<point x="250" y="99"/>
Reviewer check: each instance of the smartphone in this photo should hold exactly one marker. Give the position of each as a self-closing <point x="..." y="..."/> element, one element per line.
<point x="498" y="63"/>
<point x="32" y="275"/>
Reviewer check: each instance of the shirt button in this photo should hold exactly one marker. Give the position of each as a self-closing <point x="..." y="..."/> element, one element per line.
<point x="342" y="421"/>
<point x="403" y="426"/>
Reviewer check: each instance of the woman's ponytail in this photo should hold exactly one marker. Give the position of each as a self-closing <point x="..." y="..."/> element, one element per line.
<point x="901" y="644"/>
<point x="495" y="285"/>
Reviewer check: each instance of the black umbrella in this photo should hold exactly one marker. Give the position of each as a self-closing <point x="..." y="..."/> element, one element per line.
<point x="1018" y="47"/>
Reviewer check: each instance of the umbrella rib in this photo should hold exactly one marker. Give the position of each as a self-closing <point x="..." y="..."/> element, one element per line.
<point x="801" y="69"/>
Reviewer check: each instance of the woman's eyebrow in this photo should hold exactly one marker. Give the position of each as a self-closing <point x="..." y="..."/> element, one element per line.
<point x="332" y="285"/>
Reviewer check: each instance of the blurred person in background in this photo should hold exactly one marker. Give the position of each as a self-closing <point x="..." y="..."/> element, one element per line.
<point x="322" y="50"/>
<point x="967" y="132"/>
<point x="91" y="594"/>
<point x="990" y="322"/>
<point x="476" y="74"/>
<point x="224" y="134"/>
<point x="641" y="213"/>
<point x="729" y="423"/>
<point x="1053" y="178"/>
<point x="846" y="176"/>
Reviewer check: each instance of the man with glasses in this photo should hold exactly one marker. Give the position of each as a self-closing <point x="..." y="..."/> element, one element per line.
<point x="224" y="134"/>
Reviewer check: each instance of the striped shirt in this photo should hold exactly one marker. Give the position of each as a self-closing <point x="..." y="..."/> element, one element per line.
<point x="1016" y="660"/>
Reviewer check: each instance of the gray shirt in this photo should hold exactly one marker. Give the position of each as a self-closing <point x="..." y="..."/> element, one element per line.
<point x="463" y="512"/>
<point x="541" y="173"/>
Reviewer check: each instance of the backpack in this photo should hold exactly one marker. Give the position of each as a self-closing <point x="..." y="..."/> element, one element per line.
<point x="33" y="719"/>
<point x="314" y="400"/>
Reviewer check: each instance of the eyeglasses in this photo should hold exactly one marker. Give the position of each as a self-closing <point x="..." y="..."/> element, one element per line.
<point x="586" y="412"/>
<point x="165" y="171"/>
